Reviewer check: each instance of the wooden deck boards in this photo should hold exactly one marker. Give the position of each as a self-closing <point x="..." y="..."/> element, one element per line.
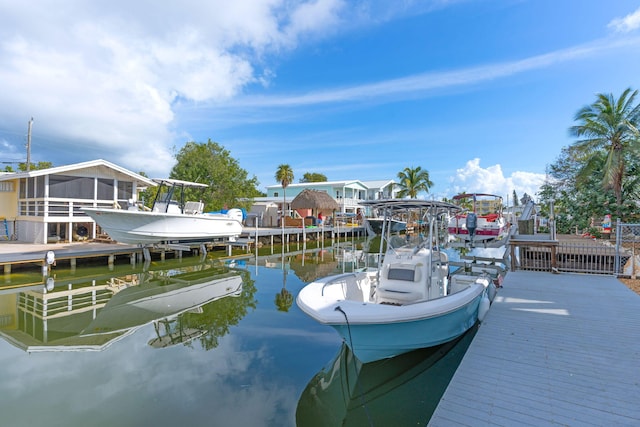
<point x="554" y="349"/>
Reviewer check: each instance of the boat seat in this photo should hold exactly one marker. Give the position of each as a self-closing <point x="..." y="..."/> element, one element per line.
<point x="400" y="284"/>
<point x="357" y="287"/>
<point x="192" y="208"/>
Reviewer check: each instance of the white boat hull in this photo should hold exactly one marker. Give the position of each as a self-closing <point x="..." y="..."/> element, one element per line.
<point x="142" y="227"/>
<point x="376" y="331"/>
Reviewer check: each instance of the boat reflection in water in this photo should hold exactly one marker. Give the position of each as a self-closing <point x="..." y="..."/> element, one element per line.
<point x="184" y="303"/>
<point x="161" y="297"/>
<point x="401" y="391"/>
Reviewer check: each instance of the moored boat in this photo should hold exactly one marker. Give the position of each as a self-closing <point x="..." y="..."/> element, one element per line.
<point x="405" y="303"/>
<point x="168" y="220"/>
<point x="478" y="223"/>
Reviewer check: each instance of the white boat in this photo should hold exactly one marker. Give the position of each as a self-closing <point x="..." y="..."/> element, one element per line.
<point x="168" y="220"/>
<point x="404" y="304"/>
<point x="479" y="223"/>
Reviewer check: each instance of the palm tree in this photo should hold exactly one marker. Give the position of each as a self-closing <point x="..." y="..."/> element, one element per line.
<point x="284" y="298"/>
<point x="284" y="175"/>
<point x="608" y="128"/>
<point x="413" y="181"/>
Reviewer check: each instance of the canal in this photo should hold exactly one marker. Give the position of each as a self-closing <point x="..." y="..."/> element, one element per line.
<point x="199" y="341"/>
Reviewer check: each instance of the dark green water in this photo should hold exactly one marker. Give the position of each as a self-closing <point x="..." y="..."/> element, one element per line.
<point x="195" y="342"/>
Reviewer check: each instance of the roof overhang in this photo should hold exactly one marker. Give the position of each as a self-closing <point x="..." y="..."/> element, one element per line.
<point x="59" y="170"/>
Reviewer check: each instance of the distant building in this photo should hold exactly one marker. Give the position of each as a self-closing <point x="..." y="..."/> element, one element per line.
<point x="348" y="194"/>
<point x="44" y="206"/>
<point x="485" y="207"/>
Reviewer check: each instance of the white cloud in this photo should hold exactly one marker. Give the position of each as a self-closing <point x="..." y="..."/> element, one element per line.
<point x="406" y="87"/>
<point x="109" y="75"/>
<point x="626" y="24"/>
<point x="474" y="178"/>
<point x="314" y="17"/>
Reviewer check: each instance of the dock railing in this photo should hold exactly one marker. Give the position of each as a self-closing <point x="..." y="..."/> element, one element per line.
<point x="564" y="254"/>
<point x="617" y="254"/>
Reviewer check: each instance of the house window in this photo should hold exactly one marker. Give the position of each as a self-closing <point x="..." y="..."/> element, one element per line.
<point x="31" y="188"/>
<point x="105" y="189"/>
<point x="23" y="188"/>
<point x="6" y="187"/>
<point x="72" y="187"/>
<point x="275" y="194"/>
<point x="39" y="181"/>
<point x="125" y="190"/>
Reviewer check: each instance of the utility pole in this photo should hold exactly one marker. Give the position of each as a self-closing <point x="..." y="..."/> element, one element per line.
<point x="29" y="145"/>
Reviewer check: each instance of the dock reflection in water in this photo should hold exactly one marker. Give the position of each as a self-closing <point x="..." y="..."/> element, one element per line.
<point x="91" y="315"/>
<point x="401" y="391"/>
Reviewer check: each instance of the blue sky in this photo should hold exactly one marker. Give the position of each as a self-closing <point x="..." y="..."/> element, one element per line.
<point x="480" y="93"/>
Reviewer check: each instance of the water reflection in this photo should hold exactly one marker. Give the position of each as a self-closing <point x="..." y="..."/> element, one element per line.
<point x="184" y="303"/>
<point x="404" y="390"/>
<point x="263" y="358"/>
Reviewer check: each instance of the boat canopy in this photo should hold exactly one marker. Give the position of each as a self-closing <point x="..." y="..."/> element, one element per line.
<point x="469" y="195"/>
<point x="178" y="182"/>
<point x="392" y="205"/>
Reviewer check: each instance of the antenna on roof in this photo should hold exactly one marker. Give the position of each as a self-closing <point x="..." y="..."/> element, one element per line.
<point x="29" y="145"/>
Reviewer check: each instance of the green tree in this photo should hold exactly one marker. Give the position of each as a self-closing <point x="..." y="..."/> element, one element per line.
<point x="209" y="163"/>
<point x="610" y="126"/>
<point x="579" y="198"/>
<point x="412" y="181"/>
<point x="22" y="167"/>
<point x="515" y="198"/>
<point x="284" y="175"/>
<point x="313" y="177"/>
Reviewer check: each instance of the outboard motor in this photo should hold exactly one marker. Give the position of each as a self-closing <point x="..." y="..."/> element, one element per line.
<point x="472" y="224"/>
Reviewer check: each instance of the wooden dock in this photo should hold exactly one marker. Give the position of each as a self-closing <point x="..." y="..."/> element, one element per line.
<point x="33" y="255"/>
<point x="15" y="253"/>
<point x="274" y="235"/>
<point x="554" y="349"/>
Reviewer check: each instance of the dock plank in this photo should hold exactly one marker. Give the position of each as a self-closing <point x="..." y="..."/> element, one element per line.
<point x="554" y="349"/>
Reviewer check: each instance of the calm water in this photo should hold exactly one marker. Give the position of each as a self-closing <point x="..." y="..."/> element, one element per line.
<point x="197" y="342"/>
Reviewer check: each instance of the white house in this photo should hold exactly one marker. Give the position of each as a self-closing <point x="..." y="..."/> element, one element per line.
<point x="42" y="206"/>
<point x="348" y="194"/>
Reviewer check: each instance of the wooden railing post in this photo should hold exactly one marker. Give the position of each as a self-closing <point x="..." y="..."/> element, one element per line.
<point x="534" y="243"/>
